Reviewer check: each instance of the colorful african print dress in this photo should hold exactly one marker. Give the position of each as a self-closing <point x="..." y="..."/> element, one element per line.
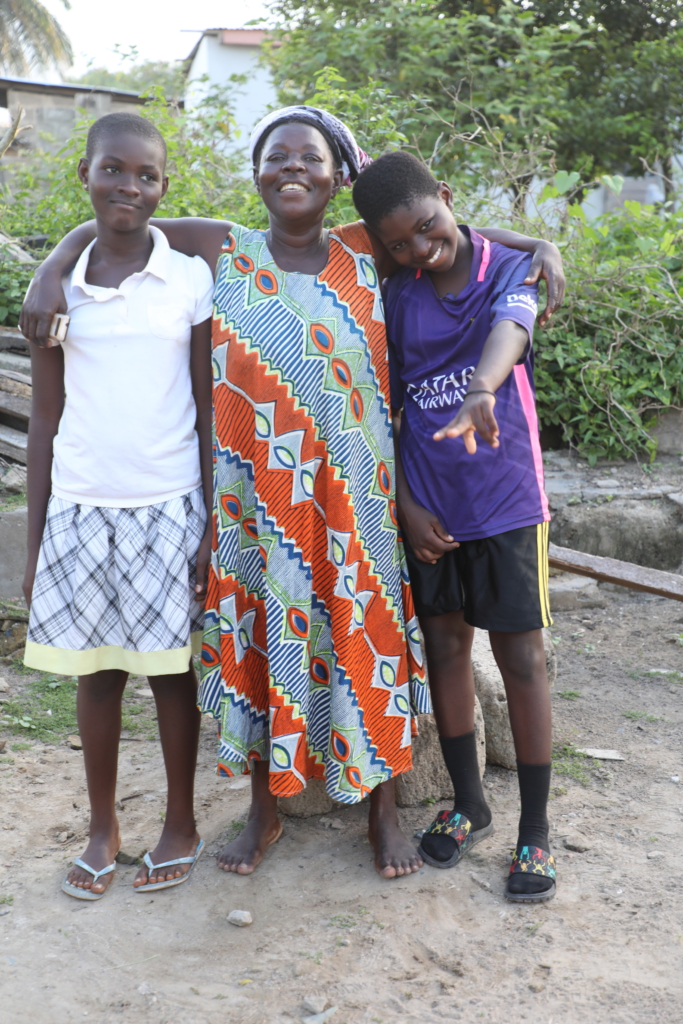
<point x="308" y="659"/>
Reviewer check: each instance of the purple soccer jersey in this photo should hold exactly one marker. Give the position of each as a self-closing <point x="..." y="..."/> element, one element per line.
<point x="435" y="345"/>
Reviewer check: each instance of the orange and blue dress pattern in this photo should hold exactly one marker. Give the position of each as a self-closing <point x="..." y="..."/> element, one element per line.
<point x="311" y="651"/>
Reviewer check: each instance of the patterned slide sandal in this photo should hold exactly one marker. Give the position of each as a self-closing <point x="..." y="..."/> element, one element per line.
<point x="87" y="894"/>
<point x="149" y="887"/>
<point x="532" y="860"/>
<point x="459" y="828"/>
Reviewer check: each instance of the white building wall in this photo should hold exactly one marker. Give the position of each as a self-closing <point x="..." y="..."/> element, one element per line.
<point x="218" y="63"/>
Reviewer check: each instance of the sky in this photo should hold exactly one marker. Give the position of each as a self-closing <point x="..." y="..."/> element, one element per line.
<point x="155" y="28"/>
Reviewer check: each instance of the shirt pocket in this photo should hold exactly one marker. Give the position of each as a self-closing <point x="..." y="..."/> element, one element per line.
<point x="169" y="321"/>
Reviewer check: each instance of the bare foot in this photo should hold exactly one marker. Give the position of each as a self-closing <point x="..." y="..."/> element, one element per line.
<point x="171" y="845"/>
<point x="99" y="853"/>
<point x="395" y="855"/>
<point x="246" y="852"/>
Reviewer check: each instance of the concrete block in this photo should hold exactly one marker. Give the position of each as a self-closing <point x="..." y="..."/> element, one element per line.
<point x="669" y="432"/>
<point x="13" y="529"/>
<point x="643" y="532"/>
<point x="313" y="800"/>
<point x="429" y="778"/>
<point x="569" y="592"/>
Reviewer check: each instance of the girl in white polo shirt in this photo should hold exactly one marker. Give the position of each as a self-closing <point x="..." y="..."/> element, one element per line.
<point x="119" y="486"/>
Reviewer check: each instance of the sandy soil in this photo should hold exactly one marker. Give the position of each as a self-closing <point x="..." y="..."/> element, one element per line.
<point x="438" y="946"/>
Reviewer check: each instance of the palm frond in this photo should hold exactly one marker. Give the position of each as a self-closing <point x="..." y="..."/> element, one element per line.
<point x="30" y="37"/>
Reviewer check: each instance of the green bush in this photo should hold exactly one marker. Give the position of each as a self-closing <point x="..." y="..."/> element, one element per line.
<point x="612" y="357"/>
<point x="14" y="280"/>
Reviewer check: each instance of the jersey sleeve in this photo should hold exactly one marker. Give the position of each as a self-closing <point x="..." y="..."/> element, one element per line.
<point x="203" y="290"/>
<point x="512" y="299"/>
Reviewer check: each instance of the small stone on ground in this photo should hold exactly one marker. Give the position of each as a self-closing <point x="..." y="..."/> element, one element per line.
<point x="578" y="844"/>
<point x="240" y="918"/>
<point x="314" y="1004"/>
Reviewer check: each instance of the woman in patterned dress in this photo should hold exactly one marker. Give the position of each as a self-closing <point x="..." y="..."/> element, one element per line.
<point x="311" y="661"/>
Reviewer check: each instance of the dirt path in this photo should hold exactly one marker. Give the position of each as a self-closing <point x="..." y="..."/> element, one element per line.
<point x="439" y="946"/>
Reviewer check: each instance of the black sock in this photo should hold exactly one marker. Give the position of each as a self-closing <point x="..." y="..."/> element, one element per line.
<point x="534" y="787"/>
<point x="460" y="755"/>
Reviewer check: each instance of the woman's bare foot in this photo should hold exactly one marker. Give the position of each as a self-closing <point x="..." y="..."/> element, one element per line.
<point x="246" y="852"/>
<point x="395" y="855"/>
<point x="171" y="845"/>
<point x="99" y="854"/>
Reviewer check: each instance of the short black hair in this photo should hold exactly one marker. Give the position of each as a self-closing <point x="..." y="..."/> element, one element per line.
<point x="395" y="179"/>
<point x="122" y="123"/>
<point x="300" y="119"/>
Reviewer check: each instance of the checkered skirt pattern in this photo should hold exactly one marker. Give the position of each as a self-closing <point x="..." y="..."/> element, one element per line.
<point x="118" y="581"/>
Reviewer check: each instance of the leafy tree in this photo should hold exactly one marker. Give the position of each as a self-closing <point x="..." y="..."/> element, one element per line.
<point x="138" y="76"/>
<point x="30" y="36"/>
<point x="601" y="80"/>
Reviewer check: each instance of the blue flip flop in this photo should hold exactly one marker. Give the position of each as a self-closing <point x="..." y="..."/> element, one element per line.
<point x="87" y="894"/>
<point x="171" y="864"/>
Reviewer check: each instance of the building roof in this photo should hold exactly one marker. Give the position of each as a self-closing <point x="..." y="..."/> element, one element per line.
<point x="231" y="37"/>
<point x="65" y="88"/>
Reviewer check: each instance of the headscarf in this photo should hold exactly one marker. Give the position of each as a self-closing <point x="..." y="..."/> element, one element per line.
<point x="352" y="158"/>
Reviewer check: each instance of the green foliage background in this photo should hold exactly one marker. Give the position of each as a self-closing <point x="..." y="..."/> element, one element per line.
<point x="612" y="358"/>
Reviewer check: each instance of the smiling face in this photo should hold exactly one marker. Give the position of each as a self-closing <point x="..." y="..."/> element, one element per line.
<point x="423" y="234"/>
<point x="125" y="180"/>
<point x="296" y="176"/>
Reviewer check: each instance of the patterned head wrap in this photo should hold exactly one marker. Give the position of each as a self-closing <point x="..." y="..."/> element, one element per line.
<point x="344" y="146"/>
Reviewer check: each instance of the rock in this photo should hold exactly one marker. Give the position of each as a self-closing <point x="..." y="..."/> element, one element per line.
<point x="314" y="799"/>
<point x="536" y="986"/>
<point x="488" y="684"/>
<point x="4" y="685"/>
<point x="144" y="691"/>
<point x="320" y="1018"/>
<point x="655" y="855"/>
<point x="13" y="551"/>
<point x="481" y="882"/>
<point x="75" y="742"/>
<point x="14" y="480"/>
<point x="3" y="745"/>
<point x="429" y="779"/>
<point x="314" y="1004"/>
<point x="124" y="857"/>
<point x="12" y="633"/>
<point x="569" y="592"/>
<point x="576" y="843"/>
<point x="240" y="918"/>
<point x="336" y="823"/>
<point x="669" y="432"/>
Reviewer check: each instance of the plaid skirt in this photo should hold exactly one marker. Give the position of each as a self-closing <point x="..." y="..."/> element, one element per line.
<point x="114" y="588"/>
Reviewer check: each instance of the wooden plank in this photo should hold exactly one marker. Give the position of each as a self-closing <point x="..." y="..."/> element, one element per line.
<point x="15" y="405"/>
<point x="611" y="570"/>
<point x="13" y="443"/>
<point x="11" y="337"/>
<point x="9" y="379"/>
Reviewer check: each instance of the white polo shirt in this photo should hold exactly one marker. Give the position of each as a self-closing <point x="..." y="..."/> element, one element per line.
<point x="127" y="435"/>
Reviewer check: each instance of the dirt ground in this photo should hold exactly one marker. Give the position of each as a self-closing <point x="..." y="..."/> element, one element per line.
<point x="437" y="946"/>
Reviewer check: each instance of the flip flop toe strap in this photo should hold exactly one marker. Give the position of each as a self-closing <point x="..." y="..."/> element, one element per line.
<point x="532" y="860"/>
<point x="172" y="863"/>
<point x="96" y="874"/>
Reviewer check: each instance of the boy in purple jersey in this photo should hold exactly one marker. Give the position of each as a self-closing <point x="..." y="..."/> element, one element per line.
<point x="460" y="320"/>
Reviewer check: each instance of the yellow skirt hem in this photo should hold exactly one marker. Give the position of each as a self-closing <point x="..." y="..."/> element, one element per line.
<point x="98" y="659"/>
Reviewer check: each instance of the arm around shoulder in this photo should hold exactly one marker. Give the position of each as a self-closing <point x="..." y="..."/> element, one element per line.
<point x="195" y="236"/>
<point x="45" y="296"/>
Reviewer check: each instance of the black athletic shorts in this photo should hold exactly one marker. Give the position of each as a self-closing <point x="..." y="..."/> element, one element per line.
<point x="501" y="582"/>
